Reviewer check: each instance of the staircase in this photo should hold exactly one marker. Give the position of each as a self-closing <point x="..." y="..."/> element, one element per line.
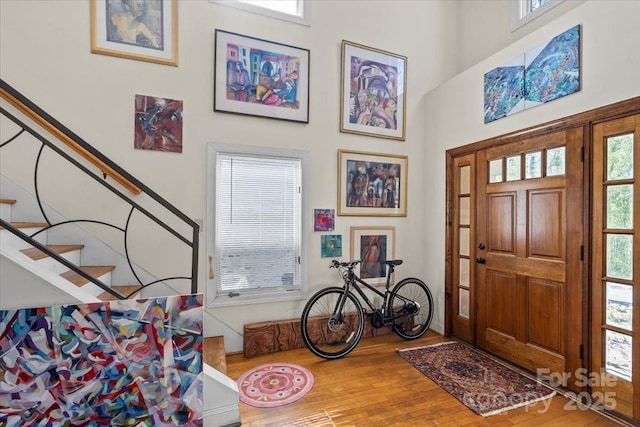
<point x="52" y="265"/>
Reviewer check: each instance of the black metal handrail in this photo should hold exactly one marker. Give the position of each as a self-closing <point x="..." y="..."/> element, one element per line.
<point x="103" y="163"/>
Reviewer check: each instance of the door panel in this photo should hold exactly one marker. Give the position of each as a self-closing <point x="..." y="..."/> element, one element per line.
<point x="529" y="278"/>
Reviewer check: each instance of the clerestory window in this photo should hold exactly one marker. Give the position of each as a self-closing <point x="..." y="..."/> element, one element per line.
<point x="525" y="11"/>
<point x="298" y="11"/>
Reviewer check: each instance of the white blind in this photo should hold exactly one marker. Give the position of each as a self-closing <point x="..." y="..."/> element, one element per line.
<point x="258" y="214"/>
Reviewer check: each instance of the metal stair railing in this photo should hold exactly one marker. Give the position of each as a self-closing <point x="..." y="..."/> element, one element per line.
<point x="107" y="168"/>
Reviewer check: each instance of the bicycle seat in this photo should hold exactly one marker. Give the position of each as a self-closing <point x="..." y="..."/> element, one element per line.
<point x="393" y="262"/>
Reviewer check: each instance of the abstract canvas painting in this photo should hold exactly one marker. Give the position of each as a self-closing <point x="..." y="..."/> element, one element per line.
<point x="543" y="74"/>
<point x="158" y="124"/>
<point x="126" y="363"/>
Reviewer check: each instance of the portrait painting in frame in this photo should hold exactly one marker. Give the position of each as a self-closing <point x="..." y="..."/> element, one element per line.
<point x="144" y="30"/>
<point x="372" y="246"/>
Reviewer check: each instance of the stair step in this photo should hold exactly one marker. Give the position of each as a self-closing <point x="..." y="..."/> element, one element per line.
<point x="214" y="354"/>
<point x="92" y="270"/>
<point x="123" y="289"/>
<point x="36" y="254"/>
<point x="8" y="201"/>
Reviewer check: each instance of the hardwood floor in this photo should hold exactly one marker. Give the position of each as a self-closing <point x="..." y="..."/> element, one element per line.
<point x="373" y="386"/>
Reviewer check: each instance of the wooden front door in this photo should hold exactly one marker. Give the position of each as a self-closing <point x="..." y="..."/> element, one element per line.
<point x="528" y="252"/>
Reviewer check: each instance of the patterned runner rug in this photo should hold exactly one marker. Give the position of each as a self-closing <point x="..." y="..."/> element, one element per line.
<point x="274" y="384"/>
<point x="482" y="384"/>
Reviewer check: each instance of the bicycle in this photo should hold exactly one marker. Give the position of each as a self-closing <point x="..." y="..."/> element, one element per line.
<point x="332" y="320"/>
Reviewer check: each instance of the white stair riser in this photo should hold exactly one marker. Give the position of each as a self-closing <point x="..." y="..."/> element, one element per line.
<point x="58" y="268"/>
<point x="5" y="211"/>
<point x="94" y="289"/>
<point x="8" y="239"/>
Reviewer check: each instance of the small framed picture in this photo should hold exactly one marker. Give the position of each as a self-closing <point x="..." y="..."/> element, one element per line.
<point x="372" y="246"/>
<point x="257" y="77"/>
<point x="373" y="92"/>
<point x="145" y="30"/>
<point x="158" y="124"/>
<point x="331" y="246"/>
<point x="323" y="219"/>
<point x="372" y="184"/>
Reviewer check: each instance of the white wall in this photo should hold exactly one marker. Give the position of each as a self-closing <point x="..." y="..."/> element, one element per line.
<point x="45" y="54"/>
<point x="453" y="114"/>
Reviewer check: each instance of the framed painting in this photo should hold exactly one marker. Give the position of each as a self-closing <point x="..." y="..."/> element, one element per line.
<point x="257" y="77"/>
<point x="372" y="184"/>
<point x="372" y="246"/>
<point x="373" y="92"/>
<point x="158" y="124"/>
<point x="145" y="30"/>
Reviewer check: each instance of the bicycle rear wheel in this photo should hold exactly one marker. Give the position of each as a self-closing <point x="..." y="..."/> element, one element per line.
<point x="411" y="298"/>
<point x="328" y="330"/>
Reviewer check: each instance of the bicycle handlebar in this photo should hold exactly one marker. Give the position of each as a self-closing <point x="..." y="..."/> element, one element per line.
<point x="351" y="264"/>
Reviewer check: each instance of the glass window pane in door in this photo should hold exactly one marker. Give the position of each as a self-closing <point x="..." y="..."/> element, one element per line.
<point x="513" y="168"/>
<point x="618" y="354"/>
<point x="465" y="179"/>
<point x="620" y="157"/>
<point x="465" y="210"/>
<point x="464" y="242"/>
<point x="464" y="272"/>
<point x="533" y="165"/>
<point x="463" y="303"/>
<point x="619" y="305"/>
<point x="495" y="171"/>
<point x="555" y="161"/>
<point x="620" y="207"/>
<point x="619" y="257"/>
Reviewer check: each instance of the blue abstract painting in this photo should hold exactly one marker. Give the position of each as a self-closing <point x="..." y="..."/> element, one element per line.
<point x="548" y="72"/>
<point x="553" y="70"/>
<point x="124" y="363"/>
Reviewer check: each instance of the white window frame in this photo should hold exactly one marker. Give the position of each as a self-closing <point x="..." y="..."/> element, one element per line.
<point x="521" y="15"/>
<point x="219" y="299"/>
<point x="303" y="17"/>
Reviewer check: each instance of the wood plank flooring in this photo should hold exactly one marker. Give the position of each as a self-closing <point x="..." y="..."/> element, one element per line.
<point x="373" y="386"/>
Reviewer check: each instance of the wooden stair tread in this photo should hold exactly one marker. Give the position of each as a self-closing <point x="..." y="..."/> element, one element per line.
<point x="27" y="225"/>
<point x="8" y="201"/>
<point x="123" y="289"/>
<point x="37" y="254"/>
<point x="92" y="270"/>
<point x="214" y="354"/>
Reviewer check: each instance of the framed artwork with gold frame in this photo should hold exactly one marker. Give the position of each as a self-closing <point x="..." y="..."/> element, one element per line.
<point x="372" y="246"/>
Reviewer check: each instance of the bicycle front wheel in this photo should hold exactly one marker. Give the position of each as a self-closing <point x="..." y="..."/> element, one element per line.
<point x="331" y="329"/>
<point x="412" y="300"/>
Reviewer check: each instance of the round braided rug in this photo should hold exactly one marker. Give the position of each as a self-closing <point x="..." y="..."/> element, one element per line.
<point x="274" y="384"/>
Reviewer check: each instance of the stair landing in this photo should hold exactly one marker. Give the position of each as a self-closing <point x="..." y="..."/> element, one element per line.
<point x="214" y="355"/>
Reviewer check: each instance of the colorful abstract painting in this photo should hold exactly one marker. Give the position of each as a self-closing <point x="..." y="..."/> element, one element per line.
<point x="553" y="69"/>
<point x="331" y="246"/>
<point x="546" y="73"/>
<point x="158" y="124"/>
<point x="323" y="219"/>
<point x="124" y="363"/>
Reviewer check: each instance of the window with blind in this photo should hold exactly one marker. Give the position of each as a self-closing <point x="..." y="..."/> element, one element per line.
<point x="297" y="11"/>
<point x="256" y="251"/>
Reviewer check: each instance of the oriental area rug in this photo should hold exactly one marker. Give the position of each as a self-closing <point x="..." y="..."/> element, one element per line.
<point x="479" y="382"/>
<point x="274" y="384"/>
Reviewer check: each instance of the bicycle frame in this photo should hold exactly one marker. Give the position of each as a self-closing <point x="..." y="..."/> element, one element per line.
<point x="352" y="280"/>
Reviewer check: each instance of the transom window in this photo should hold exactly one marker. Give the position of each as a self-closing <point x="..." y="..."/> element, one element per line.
<point x="255" y="221"/>
<point x="298" y="11"/>
<point x="535" y="164"/>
